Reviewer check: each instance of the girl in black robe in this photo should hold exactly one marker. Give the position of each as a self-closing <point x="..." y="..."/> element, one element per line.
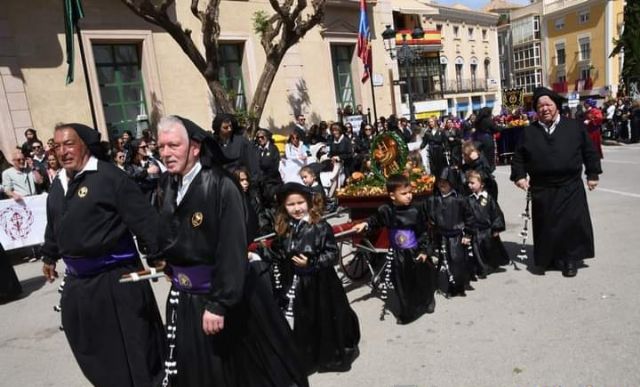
<point x="450" y="216"/>
<point x="260" y="215"/>
<point x="412" y="273"/>
<point x="308" y="290"/>
<point x="9" y="284"/>
<point x="488" y="223"/>
<point x="434" y="139"/>
<point x="237" y="149"/>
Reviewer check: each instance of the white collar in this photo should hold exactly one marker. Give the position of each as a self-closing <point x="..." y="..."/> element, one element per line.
<point x="338" y="140"/>
<point x="483" y="194"/>
<point x="549" y="129"/>
<point x="90" y="166"/>
<point x="187" y="180"/>
<point x="452" y="192"/>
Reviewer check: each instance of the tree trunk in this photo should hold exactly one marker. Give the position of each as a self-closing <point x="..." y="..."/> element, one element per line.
<point x="221" y="101"/>
<point x="262" y="89"/>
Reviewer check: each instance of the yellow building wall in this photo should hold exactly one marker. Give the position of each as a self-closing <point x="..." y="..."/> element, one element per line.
<point x="572" y="31"/>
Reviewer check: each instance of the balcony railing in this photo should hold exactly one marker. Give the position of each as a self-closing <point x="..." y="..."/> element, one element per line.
<point x="584" y="84"/>
<point x="560" y="87"/>
<point x="465" y="85"/>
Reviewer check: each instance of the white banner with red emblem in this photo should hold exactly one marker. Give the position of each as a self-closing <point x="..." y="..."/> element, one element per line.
<point x="23" y="223"/>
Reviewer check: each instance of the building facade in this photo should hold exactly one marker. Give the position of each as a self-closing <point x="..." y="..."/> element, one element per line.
<point x="526" y="39"/>
<point x="505" y="41"/>
<point x="578" y="40"/>
<point x="468" y="59"/>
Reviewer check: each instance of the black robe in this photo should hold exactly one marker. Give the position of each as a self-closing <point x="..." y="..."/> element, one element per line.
<point x="414" y="282"/>
<point x="269" y="161"/>
<point x="482" y="166"/>
<point x="562" y="227"/>
<point x="256" y="347"/>
<point x="488" y="250"/>
<point x="114" y="330"/>
<point x="9" y="284"/>
<point x="453" y="143"/>
<point x="435" y="142"/>
<point x="325" y="327"/>
<point x="344" y="150"/>
<point x="450" y="216"/>
<point x="240" y="152"/>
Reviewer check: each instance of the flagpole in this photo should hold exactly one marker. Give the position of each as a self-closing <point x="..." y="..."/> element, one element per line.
<point x="86" y="79"/>
<point x="373" y="98"/>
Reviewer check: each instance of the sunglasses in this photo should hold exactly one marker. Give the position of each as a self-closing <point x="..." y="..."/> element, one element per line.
<point x="143" y="147"/>
<point x="260" y="137"/>
<point x="37" y="147"/>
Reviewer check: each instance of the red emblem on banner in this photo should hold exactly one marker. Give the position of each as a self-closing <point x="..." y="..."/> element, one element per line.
<point x="16" y="221"/>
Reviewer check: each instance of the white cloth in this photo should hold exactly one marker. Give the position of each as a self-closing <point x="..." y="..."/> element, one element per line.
<point x="91" y="165"/>
<point x="552" y="128"/>
<point x="187" y="180"/>
<point x="482" y="194"/>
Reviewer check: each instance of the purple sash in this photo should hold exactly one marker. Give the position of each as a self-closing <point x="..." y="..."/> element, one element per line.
<point x="125" y="251"/>
<point x="192" y="279"/>
<point x="403" y="238"/>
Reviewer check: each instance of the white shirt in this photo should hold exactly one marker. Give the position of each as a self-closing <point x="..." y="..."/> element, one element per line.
<point x="91" y="165"/>
<point x="186" y="181"/>
<point x="611" y="111"/>
<point x="552" y="128"/>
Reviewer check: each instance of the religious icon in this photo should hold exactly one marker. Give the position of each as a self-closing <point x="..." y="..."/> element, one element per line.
<point x="389" y="154"/>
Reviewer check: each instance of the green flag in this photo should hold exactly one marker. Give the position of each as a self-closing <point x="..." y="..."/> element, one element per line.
<point x="72" y="13"/>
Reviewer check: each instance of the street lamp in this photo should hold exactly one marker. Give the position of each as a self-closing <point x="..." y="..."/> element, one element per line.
<point x="406" y="57"/>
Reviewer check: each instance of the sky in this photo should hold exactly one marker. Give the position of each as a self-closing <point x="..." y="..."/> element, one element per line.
<point x="477" y="4"/>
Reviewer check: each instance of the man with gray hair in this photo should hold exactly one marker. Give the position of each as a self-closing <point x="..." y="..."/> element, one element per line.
<point x="223" y="325"/>
<point x="21" y="180"/>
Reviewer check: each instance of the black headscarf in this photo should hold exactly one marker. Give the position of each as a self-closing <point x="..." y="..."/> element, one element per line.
<point x="225" y="117"/>
<point x="543" y="91"/>
<point x="91" y="138"/>
<point x="210" y="152"/>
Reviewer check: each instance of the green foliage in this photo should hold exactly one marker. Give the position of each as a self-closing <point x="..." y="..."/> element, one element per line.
<point x="260" y="22"/>
<point x="629" y="41"/>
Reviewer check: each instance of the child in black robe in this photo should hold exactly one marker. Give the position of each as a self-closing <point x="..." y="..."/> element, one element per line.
<point x="488" y="223"/>
<point x="412" y="273"/>
<point x="475" y="161"/>
<point x="309" y="177"/>
<point x="450" y="216"/>
<point x="308" y="289"/>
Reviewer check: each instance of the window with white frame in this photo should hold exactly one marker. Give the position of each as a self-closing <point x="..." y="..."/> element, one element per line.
<point x="561" y="58"/>
<point x="526" y="56"/>
<point x="470" y="33"/>
<point x="529" y="80"/>
<point x="536" y="27"/>
<point x="456" y="30"/>
<point x="585" y="48"/>
<point x="559" y="23"/>
<point x="583" y="17"/>
<point x="484" y="34"/>
<point x="585" y="73"/>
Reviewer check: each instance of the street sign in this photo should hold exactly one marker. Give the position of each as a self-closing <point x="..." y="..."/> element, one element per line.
<point x="398" y="83"/>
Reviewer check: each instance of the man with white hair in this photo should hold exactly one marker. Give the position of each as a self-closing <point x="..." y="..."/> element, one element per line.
<point x="21" y="180"/>
<point x="223" y="325"/>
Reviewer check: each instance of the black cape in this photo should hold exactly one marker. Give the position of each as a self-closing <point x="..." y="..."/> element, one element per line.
<point x="450" y="217"/>
<point x="114" y="330"/>
<point x="9" y="284"/>
<point x="414" y="282"/>
<point x="489" y="252"/>
<point x="562" y="227"/>
<point x="256" y="347"/>
<point x="325" y="327"/>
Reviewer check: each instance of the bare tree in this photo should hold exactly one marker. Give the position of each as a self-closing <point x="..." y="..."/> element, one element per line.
<point x="278" y="33"/>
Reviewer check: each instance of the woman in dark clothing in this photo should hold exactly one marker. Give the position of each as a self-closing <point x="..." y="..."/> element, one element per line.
<point x="483" y="136"/>
<point x="269" y="162"/>
<point x="238" y="151"/>
<point x="31" y="136"/>
<point x="315" y="135"/>
<point x="434" y="139"/>
<point x="340" y="149"/>
<point x="363" y="145"/>
<point x="143" y="170"/>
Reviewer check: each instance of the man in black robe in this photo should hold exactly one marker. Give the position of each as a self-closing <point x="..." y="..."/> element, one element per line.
<point x="223" y="324"/>
<point x="114" y="331"/>
<point x="548" y="162"/>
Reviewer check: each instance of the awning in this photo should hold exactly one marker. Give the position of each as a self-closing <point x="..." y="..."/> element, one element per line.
<point x="490" y="103"/>
<point x="413" y="7"/>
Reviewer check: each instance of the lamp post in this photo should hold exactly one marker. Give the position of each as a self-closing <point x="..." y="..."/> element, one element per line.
<point x="406" y="56"/>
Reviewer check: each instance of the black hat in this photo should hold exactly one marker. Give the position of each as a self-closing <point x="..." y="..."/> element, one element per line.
<point x="210" y="152"/>
<point x="292" y="187"/>
<point x="90" y="137"/>
<point x="448" y="174"/>
<point x="543" y="91"/>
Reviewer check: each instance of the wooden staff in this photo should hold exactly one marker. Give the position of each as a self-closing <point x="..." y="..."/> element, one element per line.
<point x="526" y="215"/>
